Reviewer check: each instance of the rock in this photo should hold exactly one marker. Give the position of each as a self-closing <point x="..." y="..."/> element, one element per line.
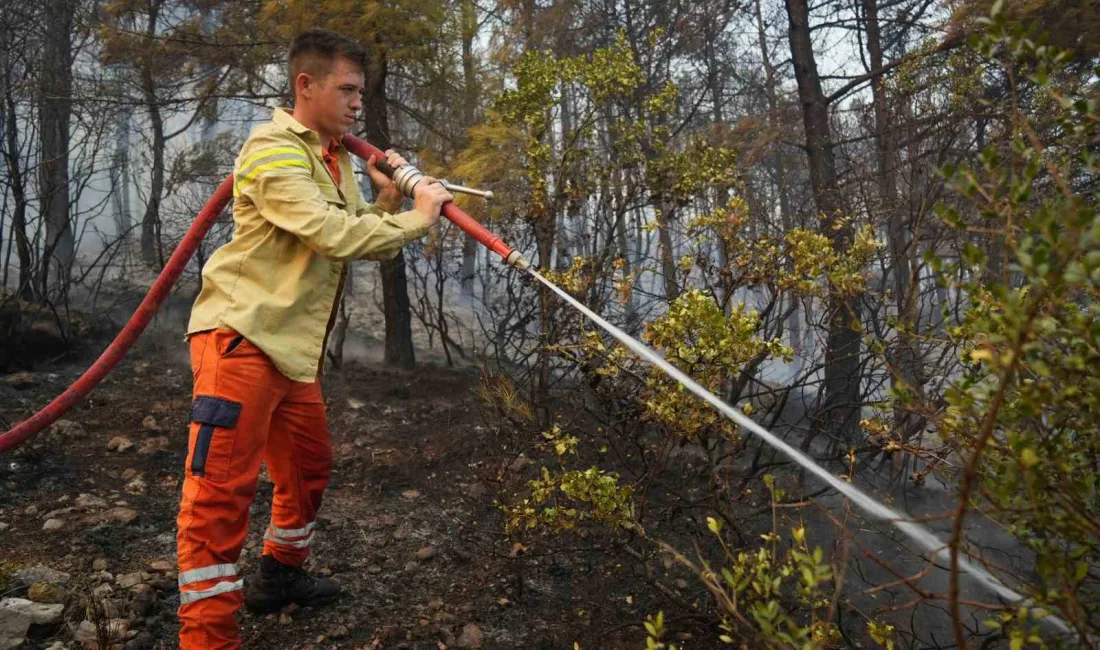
<point x="53" y="524"/>
<point x="31" y="510"/>
<point x="162" y="566"/>
<point x="284" y="619"/>
<point x="426" y="553"/>
<point x="46" y="592"/>
<point x="136" y="486"/>
<point x="101" y="609"/>
<point x="89" y="501"/>
<point x="436" y="603"/>
<point x="103" y="590"/>
<point x="21" y="380"/>
<point x="57" y="514"/>
<point x="471" y="637"/>
<point x="86" y="634"/>
<point x="120" y="444"/>
<point x="410" y="495"/>
<point x="374" y="569"/>
<point x="153" y="445"/>
<point x="130" y="579"/>
<point x="4" y="526"/>
<point x="150" y="424"/>
<point x="13" y="628"/>
<point x="411" y="566"/>
<point x="129" y="474"/>
<point x="337" y="521"/>
<point x="681" y="583"/>
<point x="117" y="514"/>
<point x="68" y="429"/>
<point x="117" y="627"/>
<point x="39" y="613"/>
<point x="99" y="564"/>
<point x="41" y="574"/>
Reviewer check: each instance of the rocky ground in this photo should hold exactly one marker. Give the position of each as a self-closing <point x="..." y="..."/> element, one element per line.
<point x="409" y="526"/>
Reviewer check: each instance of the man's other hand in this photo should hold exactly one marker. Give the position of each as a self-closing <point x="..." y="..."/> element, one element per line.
<point x="389" y="197"/>
<point x="429" y="197"/>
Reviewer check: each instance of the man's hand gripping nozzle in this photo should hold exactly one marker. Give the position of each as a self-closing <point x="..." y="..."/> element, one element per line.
<point x="407" y="177"/>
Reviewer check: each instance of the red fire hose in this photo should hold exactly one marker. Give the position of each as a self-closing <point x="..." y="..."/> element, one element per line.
<point x="172" y="271"/>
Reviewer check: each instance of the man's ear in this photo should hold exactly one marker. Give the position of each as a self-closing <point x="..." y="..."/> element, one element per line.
<point x="303" y="85"/>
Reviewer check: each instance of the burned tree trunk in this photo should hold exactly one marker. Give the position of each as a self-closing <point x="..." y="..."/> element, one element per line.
<point x="151" y="253"/>
<point x="16" y="172"/>
<point x="905" y="356"/>
<point x="840" y="414"/>
<point x="54" y="110"/>
<point x="395" y="287"/>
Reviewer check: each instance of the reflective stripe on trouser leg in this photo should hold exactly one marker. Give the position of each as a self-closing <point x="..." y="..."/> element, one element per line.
<point x="290" y="537"/>
<point x="188" y="580"/>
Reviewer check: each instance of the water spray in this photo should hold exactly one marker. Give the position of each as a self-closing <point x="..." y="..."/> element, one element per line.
<point x="406" y="178"/>
<point x="921" y="535"/>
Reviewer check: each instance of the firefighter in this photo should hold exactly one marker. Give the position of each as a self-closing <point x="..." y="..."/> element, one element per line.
<point x="257" y="336"/>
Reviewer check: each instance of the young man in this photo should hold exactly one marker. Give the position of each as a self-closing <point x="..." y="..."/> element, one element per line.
<point x="257" y="335"/>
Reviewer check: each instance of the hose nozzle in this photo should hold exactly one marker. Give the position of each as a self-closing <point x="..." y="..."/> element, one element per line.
<point x="407" y="177"/>
<point x="518" y="261"/>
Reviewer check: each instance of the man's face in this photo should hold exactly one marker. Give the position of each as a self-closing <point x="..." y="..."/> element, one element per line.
<point x="334" y="100"/>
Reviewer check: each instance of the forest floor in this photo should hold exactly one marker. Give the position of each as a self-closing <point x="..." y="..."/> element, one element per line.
<point x="409" y="526"/>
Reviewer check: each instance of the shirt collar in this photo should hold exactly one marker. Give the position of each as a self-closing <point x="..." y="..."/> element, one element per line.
<point x="285" y="119"/>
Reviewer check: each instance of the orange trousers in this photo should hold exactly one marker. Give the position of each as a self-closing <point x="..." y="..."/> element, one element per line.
<point x="244" y="412"/>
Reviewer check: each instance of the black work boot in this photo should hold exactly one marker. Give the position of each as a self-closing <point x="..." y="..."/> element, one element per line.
<point x="276" y="584"/>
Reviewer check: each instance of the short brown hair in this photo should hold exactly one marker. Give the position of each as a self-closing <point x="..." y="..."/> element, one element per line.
<point x="314" y="51"/>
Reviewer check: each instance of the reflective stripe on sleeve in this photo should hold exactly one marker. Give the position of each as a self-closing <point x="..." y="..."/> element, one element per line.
<point x="272" y="158"/>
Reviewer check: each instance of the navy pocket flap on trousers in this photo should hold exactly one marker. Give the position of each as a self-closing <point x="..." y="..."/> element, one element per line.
<point x="215" y="411"/>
